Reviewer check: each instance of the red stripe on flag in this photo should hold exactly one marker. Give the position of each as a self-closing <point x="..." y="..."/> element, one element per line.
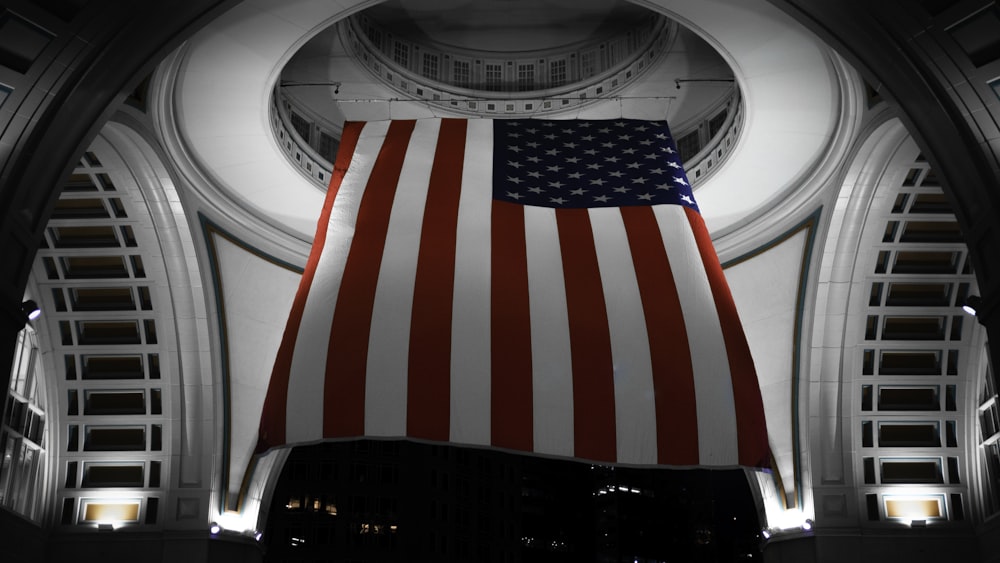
<point x="273" y="417"/>
<point x="429" y="371"/>
<point x="590" y="339"/>
<point x="347" y="356"/>
<point x="670" y="355"/>
<point x="750" y="426"/>
<point x="511" y="417"/>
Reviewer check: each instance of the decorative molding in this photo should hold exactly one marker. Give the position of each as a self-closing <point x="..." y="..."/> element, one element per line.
<point x="211" y="230"/>
<point x="809" y="225"/>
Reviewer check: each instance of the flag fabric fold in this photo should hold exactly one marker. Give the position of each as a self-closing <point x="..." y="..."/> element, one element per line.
<point x="543" y="286"/>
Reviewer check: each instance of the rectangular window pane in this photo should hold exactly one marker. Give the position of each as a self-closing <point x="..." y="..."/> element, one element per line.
<point x="910" y="362"/>
<point x="912" y="471"/>
<point x="494" y="77"/>
<point x="931" y="231"/>
<point x="108" y="332"/>
<point x="80" y="208"/>
<point x="908" y="398"/>
<point x="430" y="68"/>
<point x="913" y="328"/>
<point x="301" y="126"/>
<point x="115" y="439"/>
<point x="99" y="236"/>
<point x="112" y="367"/>
<point x="100" y="267"/>
<point x="931" y="203"/>
<point x="104" y="475"/>
<point x="461" y="74"/>
<point x="102" y="299"/>
<point x="915" y="262"/>
<point x="114" y="402"/>
<point x="914" y="508"/>
<point x="558" y="73"/>
<point x="919" y="294"/>
<point x="908" y="435"/>
<point x="111" y="512"/>
<point x="525" y="77"/>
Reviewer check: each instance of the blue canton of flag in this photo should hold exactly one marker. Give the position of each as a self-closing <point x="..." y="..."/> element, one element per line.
<point x="582" y="164"/>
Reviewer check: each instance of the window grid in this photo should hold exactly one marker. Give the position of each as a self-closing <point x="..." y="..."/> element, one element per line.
<point x="430" y="69"/>
<point x="23" y="436"/>
<point x="525" y="77"/>
<point x="915" y="342"/>
<point x="401" y="54"/>
<point x="494" y="77"/>
<point x="461" y="74"/>
<point x="989" y="443"/>
<point x="100" y="293"/>
<point x="557" y="72"/>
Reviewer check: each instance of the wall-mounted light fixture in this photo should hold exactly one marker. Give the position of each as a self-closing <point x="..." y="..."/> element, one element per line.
<point x="31" y="309"/>
<point x="972" y="304"/>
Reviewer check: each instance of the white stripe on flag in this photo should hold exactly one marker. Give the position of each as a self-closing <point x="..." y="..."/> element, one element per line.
<point x="389" y="338"/>
<point x="470" y="338"/>
<point x="635" y="406"/>
<point x="552" y="374"/>
<point x="304" y="416"/>
<point x="716" y="408"/>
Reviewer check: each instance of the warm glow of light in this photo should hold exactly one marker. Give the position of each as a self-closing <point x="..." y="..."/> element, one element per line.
<point x="790" y="519"/>
<point x="111" y="512"/>
<point x="914" y="508"/>
<point x="233" y="521"/>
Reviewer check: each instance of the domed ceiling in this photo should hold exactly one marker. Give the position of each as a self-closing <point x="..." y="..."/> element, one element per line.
<point x="590" y="58"/>
<point x="489" y="25"/>
<point x="266" y="127"/>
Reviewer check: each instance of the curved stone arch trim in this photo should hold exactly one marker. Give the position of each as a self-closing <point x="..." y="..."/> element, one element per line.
<point x="841" y="244"/>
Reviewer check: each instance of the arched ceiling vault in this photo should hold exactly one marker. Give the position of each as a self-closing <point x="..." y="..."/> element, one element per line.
<point x="801" y="114"/>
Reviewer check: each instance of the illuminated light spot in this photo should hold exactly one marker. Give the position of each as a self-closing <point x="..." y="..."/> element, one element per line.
<point x="111" y="512"/>
<point x="914" y="508"/>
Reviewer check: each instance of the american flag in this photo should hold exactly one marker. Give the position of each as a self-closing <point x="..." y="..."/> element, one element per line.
<point x="543" y="286"/>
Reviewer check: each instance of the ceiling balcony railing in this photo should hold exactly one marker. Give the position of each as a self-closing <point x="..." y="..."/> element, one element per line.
<point x="311" y="145"/>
